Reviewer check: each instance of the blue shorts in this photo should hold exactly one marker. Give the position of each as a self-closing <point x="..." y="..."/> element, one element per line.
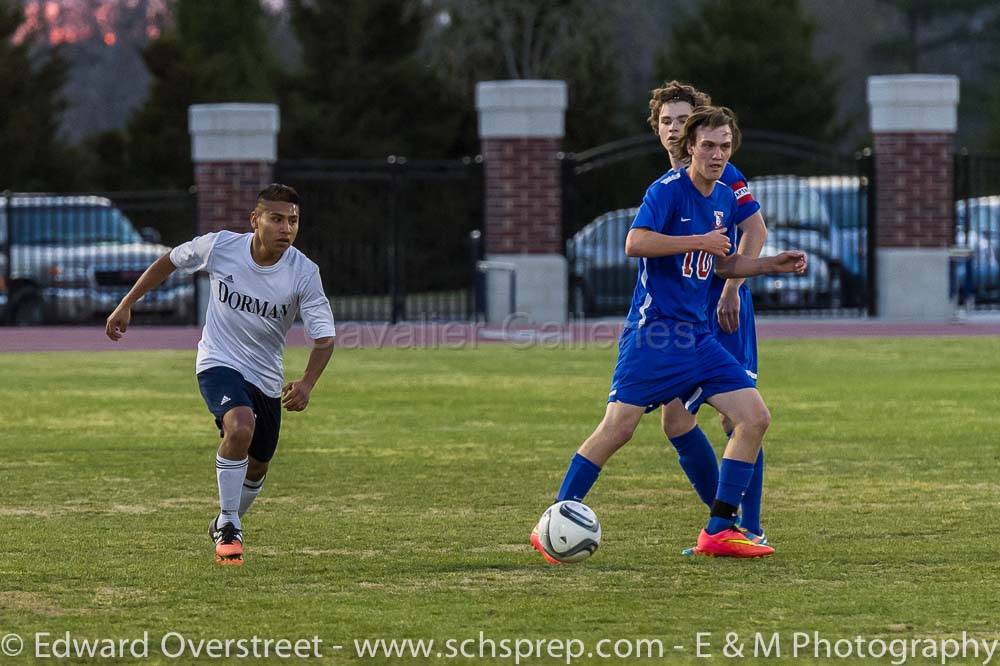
<point x="224" y="388"/>
<point x="743" y="343"/>
<point x="663" y="360"/>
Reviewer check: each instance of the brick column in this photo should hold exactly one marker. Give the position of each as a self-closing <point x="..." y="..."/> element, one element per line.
<point x="520" y="130"/>
<point x="913" y="120"/>
<point x="233" y="147"/>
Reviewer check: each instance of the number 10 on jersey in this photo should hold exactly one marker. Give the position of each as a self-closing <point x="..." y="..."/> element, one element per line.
<point x="704" y="262"/>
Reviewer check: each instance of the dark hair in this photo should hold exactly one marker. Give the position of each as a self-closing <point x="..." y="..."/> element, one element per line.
<point x="708" y="117"/>
<point x="278" y="192"/>
<point x="674" y="91"/>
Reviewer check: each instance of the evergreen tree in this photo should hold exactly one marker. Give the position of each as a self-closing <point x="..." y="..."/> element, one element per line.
<point x="216" y="52"/>
<point x="932" y="25"/>
<point x="570" y="40"/>
<point x="362" y="90"/>
<point x="34" y="156"/>
<point x="756" y="58"/>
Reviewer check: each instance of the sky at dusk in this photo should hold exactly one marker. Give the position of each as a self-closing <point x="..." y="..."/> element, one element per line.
<point x="71" y="21"/>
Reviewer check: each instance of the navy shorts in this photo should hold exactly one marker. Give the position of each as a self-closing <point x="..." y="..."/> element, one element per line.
<point x="224" y="388"/>
<point x="663" y="360"/>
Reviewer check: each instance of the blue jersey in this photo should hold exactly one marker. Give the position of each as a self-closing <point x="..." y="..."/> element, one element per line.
<point x="746" y="206"/>
<point x="676" y="287"/>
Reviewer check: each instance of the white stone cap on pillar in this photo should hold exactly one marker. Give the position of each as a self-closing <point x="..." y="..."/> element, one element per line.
<point x="913" y="103"/>
<point x="234" y="132"/>
<point x="521" y="109"/>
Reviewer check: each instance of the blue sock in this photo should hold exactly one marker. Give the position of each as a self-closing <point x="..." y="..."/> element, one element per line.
<point x="697" y="459"/>
<point x="750" y="506"/>
<point x="579" y="479"/>
<point x="734" y="476"/>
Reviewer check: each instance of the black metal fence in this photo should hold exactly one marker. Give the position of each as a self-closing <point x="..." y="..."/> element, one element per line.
<point x="976" y="275"/>
<point x="812" y="197"/>
<point x="69" y="258"/>
<point x="391" y="237"/>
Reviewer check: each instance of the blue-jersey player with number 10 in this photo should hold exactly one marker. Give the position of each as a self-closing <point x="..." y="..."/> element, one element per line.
<point x="730" y="312"/>
<point x="681" y="235"/>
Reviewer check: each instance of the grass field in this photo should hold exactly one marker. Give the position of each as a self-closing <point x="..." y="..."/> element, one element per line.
<point x="400" y="502"/>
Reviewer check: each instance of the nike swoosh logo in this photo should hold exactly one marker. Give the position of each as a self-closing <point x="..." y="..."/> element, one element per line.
<point x="685" y="219"/>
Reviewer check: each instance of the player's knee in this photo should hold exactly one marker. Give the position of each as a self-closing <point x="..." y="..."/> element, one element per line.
<point x="240" y="434"/>
<point x="619" y="432"/>
<point x="676" y="425"/>
<point x="759" y="419"/>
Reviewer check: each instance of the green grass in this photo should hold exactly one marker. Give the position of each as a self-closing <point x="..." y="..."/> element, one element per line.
<point x="399" y="503"/>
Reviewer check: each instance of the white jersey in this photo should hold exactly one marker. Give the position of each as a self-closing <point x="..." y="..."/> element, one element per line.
<point x="251" y="307"/>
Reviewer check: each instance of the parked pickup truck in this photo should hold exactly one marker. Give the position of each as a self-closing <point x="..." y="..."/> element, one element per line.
<point x="72" y="258"/>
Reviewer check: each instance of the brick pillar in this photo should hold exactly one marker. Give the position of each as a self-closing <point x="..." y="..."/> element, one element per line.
<point x="233" y="147"/>
<point x="520" y="131"/>
<point x="913" y="120"/>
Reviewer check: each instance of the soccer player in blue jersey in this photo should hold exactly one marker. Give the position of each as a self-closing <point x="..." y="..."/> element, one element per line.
<point x="683" y="233"/>
<point x="730" y="311"/>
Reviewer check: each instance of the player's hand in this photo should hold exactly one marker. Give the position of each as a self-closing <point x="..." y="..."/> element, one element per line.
<point x="728" y="311"/>
<point x="792" y="261"/>
<point x="716" y="242"/>
<point x="295" y="396"/>
<point x="118" y="322"/>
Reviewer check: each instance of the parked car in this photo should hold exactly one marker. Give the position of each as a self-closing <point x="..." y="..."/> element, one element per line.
<point x="977" y="228"/>
<point x="797" y="219"/>
<point x="74" y="257"/>
<point x="601" y="275"/>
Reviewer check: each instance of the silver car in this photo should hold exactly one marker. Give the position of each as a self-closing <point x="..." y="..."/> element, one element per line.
<point x="72" y="258"/>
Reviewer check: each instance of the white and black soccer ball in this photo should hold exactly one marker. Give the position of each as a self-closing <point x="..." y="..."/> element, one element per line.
<point x="569" y="531"/>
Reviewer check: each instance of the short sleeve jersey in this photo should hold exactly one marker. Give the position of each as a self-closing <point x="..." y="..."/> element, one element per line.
<point x="675" y="287"/>
<point x="746" y="204"/>
<point x="251" y="307"/>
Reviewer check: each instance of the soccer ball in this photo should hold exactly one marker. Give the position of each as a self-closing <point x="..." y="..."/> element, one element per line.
<point x="569" y="531"/>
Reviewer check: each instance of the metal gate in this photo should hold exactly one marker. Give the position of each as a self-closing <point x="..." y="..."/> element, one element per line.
<point x="391" y="237"/>
<point x="812" y="196"/>
<point x="976" y="277"/>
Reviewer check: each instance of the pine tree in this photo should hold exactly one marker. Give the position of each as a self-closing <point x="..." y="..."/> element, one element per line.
<point x="567" y="40"/>
<point x="216" y="52"/>
<point x="756" y="58"/>
<point x="362" y="90"/>
<point x="34" y="156"/>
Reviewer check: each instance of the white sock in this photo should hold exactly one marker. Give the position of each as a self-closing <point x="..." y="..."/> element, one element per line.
<point x="249" y="493"/>
<point x="230" y="474"/>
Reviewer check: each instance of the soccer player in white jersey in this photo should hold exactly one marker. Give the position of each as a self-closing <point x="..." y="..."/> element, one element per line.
<point x="259" y="285"/>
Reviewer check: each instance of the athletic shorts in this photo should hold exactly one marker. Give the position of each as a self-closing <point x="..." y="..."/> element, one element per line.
<point x="224" y="388"/>
<point x="743" y="343"/>
<point x="663" y="360"/>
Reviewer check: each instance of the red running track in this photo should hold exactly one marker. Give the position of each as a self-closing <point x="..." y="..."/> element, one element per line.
<point x="463" y="334"/>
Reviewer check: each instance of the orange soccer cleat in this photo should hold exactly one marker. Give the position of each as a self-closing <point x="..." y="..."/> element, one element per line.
<point x="228" y="541"/>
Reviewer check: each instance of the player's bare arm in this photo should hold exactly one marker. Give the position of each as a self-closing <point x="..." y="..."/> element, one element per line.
<point x="753" y="234"/>
<point x="648" y="243"/>
<point x="295" y="395"/>
<point x="155" y="275"/>
<point x="738" y="265"/>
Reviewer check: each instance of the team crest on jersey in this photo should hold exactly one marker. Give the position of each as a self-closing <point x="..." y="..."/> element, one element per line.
<point x="718" y="218"/>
